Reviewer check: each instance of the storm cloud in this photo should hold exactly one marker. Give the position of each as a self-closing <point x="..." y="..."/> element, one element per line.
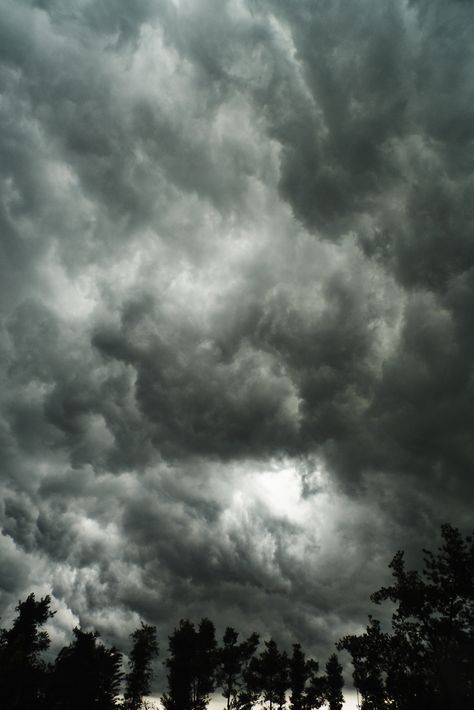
<point x="237" y="276"/>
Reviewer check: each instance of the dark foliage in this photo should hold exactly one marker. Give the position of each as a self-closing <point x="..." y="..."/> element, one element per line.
<point x="334" y="684"/>
<point x="305" y="685"/>
<point x="427" y="660"/>
<point x="299" y="673"/>
<point x="138" y="679"/>
<point x="22" y="671"/>
<point x="270" y="670"/>
<point x="314" y="694"/>
<point x="180" y="664"/>
<point x="86" y="674"/>
<point x="191" y="666"/>
<point x="250" y="692"/>
<point x="233" y="660"/>
<point x="273" y="678"/>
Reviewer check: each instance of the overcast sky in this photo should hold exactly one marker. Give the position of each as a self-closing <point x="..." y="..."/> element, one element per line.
<point x="237" y="286"/>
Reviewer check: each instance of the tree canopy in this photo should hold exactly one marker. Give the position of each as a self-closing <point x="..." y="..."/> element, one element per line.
<point x="22" y="670"/>
<point x="426" y="660"/>
<point x="138" y="679"/>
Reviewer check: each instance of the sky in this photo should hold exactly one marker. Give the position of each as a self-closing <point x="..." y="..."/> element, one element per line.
<point x="236" y="334"/>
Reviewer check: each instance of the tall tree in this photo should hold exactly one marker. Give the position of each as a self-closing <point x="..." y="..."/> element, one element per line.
<point x="204" y="664"/>
<point x="428" y="658"/>
<point x="306" y="687"/>
<point x="191" y="666"/>
<point x="232" y="660"/>
<point x="282" y="681"/>
<point x="250" y="691"/>
<point x="181" y="646"/>
<point x="86" y="675"/>
<point x="369" y="664"/>
<point x="22" y="671"/>
<point x="269" y="669"/>
<point x="299" y="673"/>
<point x="334" y="683"/>
<point x="138" y="679"/>
<point x="315" y="691"/>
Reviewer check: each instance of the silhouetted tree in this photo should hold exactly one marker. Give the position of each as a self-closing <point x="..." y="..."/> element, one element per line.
<point x="427" y="661"/>
<point x="138" y="679"/>
<point x="315" y="691"/>
<point x="251" y="687"/>
<point x="368" y="664"/>
<point x="269" y="669"/>
<point x="204" y="664"/>
<point x="191" y="666"/>
<point x="298" y="675"/>
<point x="180" y="667"/>
<point x="22" y="671"/>
<point x="232" y="660"/>
<point x="306" y="686"/>
<point x="86" y="675"/>
<point x="282" y="681"/>
<point x="334" y="683"/>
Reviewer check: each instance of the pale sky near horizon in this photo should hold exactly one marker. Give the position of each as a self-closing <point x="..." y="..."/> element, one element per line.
<point x="350" y="702"/>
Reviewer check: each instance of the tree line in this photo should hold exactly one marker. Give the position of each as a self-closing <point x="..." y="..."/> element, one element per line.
<point x="87" y="674"/>
<point x="426" y="659"/>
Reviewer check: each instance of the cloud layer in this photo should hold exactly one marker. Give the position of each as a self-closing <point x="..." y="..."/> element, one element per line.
<point x="237" y="281"/>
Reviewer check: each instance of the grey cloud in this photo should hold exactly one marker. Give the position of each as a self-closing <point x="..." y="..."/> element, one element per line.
<point x="356" y="64"/>
<point x="203" y="402"/>
<point x="385" y="80"/>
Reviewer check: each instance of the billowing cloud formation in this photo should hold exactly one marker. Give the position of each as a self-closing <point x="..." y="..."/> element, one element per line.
<point x="237" y="277"/>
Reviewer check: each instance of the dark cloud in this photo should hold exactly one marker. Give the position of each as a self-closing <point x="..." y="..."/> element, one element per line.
<point x="237" y="275"/>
